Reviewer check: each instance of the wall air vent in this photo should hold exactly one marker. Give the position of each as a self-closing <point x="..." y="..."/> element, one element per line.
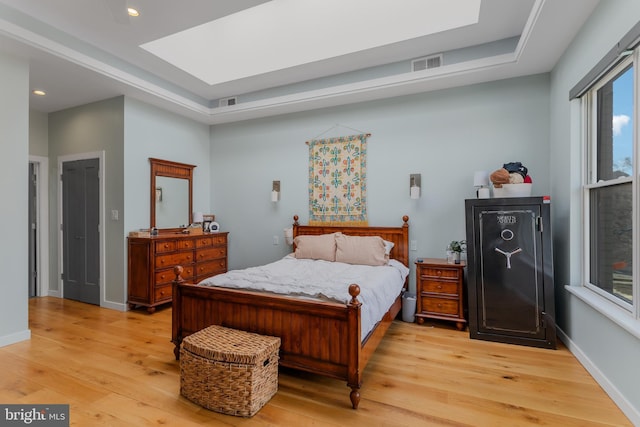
<point x="227" y="102"/>
<point x="433" y="61"/>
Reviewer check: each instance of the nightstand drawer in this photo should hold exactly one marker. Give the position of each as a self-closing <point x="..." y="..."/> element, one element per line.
<point x="441" y="273"/>
<point x="440" y="287"/>
<point x="449" y="307"/>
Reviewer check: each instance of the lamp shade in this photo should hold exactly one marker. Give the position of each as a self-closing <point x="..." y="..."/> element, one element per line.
<point x="481" y="179"/>
<point x="198" y="217"/>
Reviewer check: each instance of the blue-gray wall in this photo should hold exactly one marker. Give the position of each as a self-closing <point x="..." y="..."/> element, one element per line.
<point x="608" y="345"/>
<point x="92" y="128"/>
<point x="14" y="143"/>
<point x="152" y="132"/>
<point x="446" y="136"/>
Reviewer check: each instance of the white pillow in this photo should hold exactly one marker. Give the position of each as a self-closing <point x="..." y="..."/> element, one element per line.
<point x="388" y="246"/>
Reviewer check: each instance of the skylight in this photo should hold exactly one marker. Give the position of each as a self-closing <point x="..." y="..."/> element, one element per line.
<point x="286" y="33"/>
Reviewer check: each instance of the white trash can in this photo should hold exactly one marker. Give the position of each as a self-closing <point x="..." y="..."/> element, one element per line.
<point x="409" y="307"/>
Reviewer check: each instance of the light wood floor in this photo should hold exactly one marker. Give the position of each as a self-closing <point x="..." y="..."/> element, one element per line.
<point x="117" y="369"/>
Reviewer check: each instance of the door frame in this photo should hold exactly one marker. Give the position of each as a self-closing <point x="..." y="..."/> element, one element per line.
<point x="41" y="169"/>
<point x="101" y="243"/>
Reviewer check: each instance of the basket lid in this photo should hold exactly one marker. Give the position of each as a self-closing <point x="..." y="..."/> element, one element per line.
<point x="231" y="345"/>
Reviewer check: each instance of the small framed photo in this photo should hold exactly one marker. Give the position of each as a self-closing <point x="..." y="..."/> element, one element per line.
<point x="206" y="224"/>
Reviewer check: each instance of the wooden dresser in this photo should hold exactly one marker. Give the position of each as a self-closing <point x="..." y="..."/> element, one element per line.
<point x="151" y="262"/>
<point x="440" y="291"/>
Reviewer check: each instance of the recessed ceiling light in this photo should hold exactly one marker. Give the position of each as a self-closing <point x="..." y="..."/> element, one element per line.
<point x="38" y="92"/>
<point x="133" y="12"/>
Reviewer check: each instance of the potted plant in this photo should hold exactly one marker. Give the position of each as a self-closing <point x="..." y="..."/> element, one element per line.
<point x="457" y="247"/>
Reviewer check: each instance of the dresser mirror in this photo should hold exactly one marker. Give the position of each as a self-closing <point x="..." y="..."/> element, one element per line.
<point x="171" y="194"/>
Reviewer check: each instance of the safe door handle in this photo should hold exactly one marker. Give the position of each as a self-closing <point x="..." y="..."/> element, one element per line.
<point x="508" y="255"/>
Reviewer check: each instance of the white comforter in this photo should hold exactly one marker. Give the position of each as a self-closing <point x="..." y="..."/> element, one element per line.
<point x="323" y="280"/>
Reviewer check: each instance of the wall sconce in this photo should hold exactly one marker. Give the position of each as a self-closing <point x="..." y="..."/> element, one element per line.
<point x="414" y="185"/>
<point x="481" y="182"/>
<point x="275" y="191"/>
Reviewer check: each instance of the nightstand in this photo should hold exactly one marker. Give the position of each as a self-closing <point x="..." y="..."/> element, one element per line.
<point x="440" y="291"/>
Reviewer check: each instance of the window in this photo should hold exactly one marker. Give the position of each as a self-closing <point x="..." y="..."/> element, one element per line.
<point x="610" y="206"/>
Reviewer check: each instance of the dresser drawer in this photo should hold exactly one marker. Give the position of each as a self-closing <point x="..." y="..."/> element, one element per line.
<point x="180" y="258"/>
<point x="168" y="275"/>
<point x="440" y="287"/>
<point x="219" y="239"/>
<point x="163" y="293"/>
<point x="166" y="246"/>
<point x="186" y="244"/>
<point x="211" y="268"/>
<point x="440" y="273"/>
<point x="209" y="254"/>
<point x="442" y="306"/>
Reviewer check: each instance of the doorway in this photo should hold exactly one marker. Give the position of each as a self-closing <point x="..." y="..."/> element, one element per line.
<point x="80" y="229"/>
<point x="38" y="226"/>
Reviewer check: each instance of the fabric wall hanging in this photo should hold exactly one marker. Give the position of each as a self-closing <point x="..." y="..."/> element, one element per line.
<point x="337" y="180"/>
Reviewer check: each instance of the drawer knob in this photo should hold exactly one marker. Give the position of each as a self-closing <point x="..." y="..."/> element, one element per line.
<point x="439" y="286"/>
<point x="166" y="245"/>
<point x="439" y="272"/>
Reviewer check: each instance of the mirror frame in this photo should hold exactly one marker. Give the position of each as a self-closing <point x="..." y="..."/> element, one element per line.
<point x="170" y="169"/>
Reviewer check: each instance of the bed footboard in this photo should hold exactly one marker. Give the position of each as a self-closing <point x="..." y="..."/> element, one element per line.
<point x="318" y="337"/>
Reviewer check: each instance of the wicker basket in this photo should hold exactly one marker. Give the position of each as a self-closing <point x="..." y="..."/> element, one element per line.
<point x="229" y="371"/>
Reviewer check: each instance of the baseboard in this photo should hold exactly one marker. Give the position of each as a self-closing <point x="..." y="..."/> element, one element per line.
<point x="618" y="398"/>
<point x="14" y="338"/>
<point x="55" y="293"/>
<point x="114" y="305"/>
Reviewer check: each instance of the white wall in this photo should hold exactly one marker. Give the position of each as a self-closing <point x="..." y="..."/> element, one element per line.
<point x="445" y="136"/>
<point x="609" y="352"/>
<point x="14" y="137"/>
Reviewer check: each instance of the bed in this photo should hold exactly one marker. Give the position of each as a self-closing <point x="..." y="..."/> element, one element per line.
<point x="316" y="336"/>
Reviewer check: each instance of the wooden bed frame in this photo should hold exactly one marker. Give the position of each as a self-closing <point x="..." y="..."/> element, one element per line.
<point x="318" y="337"/>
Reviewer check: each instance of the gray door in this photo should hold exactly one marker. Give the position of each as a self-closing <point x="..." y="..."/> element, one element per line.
<point x="33" y="230"/>
<point x="80" y="222"/>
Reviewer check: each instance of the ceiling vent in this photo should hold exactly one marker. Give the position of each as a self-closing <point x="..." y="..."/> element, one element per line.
<point x="433" y="61"/>
<point x="227" y="102"/>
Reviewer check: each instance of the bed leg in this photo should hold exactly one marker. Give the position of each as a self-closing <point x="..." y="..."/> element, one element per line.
<point x="176" y="350"/>
<point x="355" y="397"/>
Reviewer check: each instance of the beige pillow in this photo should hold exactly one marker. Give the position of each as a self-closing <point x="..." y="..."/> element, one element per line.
<point x="316" y="247"/>
<point x="363" y="250"/>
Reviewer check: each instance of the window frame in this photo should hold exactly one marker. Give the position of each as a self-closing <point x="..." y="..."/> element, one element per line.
<point x="589" y="112"/>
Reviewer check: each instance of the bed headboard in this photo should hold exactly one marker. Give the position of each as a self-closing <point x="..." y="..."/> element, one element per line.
<point x="398" y="235"/>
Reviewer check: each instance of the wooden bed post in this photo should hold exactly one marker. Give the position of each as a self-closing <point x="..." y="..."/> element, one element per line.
<point x="175" y="312"/>
<point x="355" y="346"/>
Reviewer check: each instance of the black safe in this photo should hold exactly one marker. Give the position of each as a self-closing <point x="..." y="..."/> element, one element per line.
<point x="510" y="271"/>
